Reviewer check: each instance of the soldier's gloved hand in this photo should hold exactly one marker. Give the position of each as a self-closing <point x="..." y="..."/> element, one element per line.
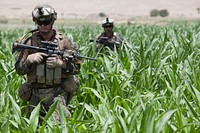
<point x="35" y="58"/>
<point x="54" y="62"/>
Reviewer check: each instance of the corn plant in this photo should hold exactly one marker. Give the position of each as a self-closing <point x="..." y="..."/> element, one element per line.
<point x="150" y="85"/>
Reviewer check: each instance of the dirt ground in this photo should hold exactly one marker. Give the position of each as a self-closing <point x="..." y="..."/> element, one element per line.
<point x="90" y="9"/>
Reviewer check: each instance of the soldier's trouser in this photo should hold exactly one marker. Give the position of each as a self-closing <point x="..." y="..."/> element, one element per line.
<point x="71" y="85"/>
<point x="47" y="96"/>
<point x="56" y="116"/>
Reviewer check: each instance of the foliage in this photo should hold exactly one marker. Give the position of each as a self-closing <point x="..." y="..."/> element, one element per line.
<point x="101" y="14"/>
<point x="164" y="13"/>
<point x="152" y="84"/>
<point x="154" y="13"/>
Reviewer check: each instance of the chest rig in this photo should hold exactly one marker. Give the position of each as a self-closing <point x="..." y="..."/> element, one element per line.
<point x="43" y="74"/>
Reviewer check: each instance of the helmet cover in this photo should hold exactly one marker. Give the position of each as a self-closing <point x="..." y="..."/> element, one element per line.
<point x="44" y="13"/>
<point x="107" y="22"/>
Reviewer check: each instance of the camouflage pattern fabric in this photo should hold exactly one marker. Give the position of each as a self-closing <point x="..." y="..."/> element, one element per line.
<point x="61" y="105"/>
<point x="47" y="96"/>
<point x="24" y="91"/>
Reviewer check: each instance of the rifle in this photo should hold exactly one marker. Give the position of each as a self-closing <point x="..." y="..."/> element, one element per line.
<point x="49" y="49"/>
<point x="105" y="41"/>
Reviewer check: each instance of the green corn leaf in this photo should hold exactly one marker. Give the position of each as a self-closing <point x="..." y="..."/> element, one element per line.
<point x="34" y="118"/>
<point x="163" y="119"/>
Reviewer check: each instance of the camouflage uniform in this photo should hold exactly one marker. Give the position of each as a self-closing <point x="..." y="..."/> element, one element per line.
<point x="39" y="88"/>
<point x="103" y="41"/>
<point x="112" y="40"/>
<point x="43" y="84"/>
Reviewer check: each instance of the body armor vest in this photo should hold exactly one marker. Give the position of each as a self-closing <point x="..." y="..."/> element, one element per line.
<point x="39" y="72"/>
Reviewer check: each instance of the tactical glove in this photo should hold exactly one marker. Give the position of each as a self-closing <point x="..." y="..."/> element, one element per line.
<point x="54" y="62"/>
<point x="35" y="58"/>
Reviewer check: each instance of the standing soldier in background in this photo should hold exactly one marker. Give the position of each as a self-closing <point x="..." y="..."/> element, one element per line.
<point x="108" y="38"/>
<point x="49" y="78"/>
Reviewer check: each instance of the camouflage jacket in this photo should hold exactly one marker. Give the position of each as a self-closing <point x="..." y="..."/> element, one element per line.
<point x="35" y="40"/>
<point x="102" y="41"/>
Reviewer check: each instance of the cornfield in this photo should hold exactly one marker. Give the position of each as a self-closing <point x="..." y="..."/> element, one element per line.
<point x="150" y="85"/>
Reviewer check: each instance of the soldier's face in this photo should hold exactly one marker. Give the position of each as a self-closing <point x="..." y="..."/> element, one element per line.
<point x="108" y="28"/>
<point x="44" y="26"/>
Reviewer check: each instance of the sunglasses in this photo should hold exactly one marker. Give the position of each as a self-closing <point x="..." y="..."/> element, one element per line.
<point x="108" y="26"/>
<point x="47" y="22"/>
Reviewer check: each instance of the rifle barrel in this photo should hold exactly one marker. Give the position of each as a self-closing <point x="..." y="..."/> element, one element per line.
<point x="81" y="56"/>
<point x="18" y="47"/>
<point x="21" y="47"/>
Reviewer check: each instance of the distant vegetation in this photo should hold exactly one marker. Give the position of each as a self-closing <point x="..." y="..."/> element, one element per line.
<point x="162" y="13"/>
<point x="198" y="10"/>
<point x="101" y="14"/>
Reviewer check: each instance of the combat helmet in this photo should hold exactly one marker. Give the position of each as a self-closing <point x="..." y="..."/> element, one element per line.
<point x="107" y="22"/>
<point x="44" y="13"/>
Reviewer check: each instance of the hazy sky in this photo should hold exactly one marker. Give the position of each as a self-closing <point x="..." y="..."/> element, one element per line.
<point x="84" y="8"/>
